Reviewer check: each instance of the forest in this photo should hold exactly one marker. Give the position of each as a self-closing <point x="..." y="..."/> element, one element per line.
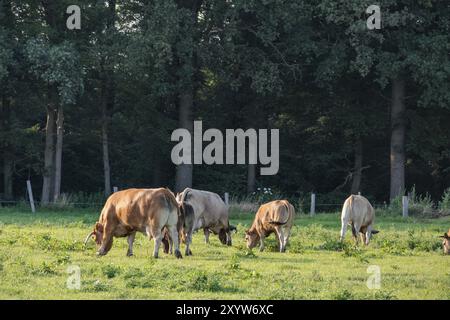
<point x="83" y="110"/>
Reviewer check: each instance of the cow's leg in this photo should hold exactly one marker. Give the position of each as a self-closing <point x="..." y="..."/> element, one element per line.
<point x="355" y="234"/>
<point x="368" y="235"/>
<point x="229" y="243"/>
<point x="130" y="240"/>
<point x="287" y="233"/>
<point x="280" y="234"/>
<point x="188" y="251"/>
<point x="344" y="224"/>
<point x="176" y="240"/>
<point x="157" y="235"/>
<point x="261" y="243"/>
<point x="206" y="231"/>
<point x="170" y="245"/>
<point x="363" y="237"/>
<point x="356" y="227"/>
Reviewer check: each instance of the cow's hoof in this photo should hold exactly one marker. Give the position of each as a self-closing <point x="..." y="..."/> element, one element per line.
<point x="129" y="254"/>
<point x="229" y="243"/>
<point x="178" y="254"/>
<point x="188" y="252"/>
<point x="100" y="253"/>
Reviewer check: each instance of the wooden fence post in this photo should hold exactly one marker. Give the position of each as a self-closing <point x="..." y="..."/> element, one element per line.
<point x="313" y="204"/>
<point x="30" y="196"/>
<point x="227" y="198"/>
<point x="405" y="203"/>
<point x="115" y="189"/>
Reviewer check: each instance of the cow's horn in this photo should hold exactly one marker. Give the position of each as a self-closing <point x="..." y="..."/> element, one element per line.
<point x="88" y="237"/>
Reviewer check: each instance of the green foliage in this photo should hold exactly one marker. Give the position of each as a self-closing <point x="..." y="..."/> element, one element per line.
<point x="444" y="204"/>
<point x="34" y="265"/>
<point x="111" y="271"/>
<point x="57" y="65"/>
<point x="291" y="65"/>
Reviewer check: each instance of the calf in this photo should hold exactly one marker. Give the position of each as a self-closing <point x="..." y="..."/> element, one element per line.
<point x="359" y="213"/>
<point x="275" y="216"/>
<point x="137" y="210"/>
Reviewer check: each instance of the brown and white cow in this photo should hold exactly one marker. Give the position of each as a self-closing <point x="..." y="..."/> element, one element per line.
<point x="210" y="214"/>
<point x="446" y="242"/>
<point x="275" y="216"/>
<point x="359" y="213"/>
<point x="137" y="210"/>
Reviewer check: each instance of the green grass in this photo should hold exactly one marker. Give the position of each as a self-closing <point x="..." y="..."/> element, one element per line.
<point x="36" y="250"/>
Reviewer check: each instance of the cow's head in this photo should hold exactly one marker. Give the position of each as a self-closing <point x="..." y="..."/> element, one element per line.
<point x="252" y="238"/>
<point x="96" y="234"/>
<point x="446" y="243"/>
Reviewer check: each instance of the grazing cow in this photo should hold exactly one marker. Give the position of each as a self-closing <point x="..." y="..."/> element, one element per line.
<point x="137" y="210"/>
<point x="275" y="216"/>
<point x="210" y="214"/>
<point x="446" y="242"/>
<point x="358" y="212"/>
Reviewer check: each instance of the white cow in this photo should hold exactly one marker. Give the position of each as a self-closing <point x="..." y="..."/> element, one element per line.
<point x="358" y="212"/>
<point x="211" y="214"/>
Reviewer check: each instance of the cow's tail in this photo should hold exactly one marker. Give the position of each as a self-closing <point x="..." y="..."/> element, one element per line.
<point x="184" y="193"/>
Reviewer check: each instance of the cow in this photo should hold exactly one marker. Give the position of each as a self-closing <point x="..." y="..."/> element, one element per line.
<point x="210" y="214"/>
<point x="275" y="216"/>
<point x="359" y="213"/>
<point x="137" y="210"/>
<point x="446" y="242"/>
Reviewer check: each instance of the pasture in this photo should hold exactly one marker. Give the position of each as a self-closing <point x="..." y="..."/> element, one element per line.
<point x="36" y="250"/>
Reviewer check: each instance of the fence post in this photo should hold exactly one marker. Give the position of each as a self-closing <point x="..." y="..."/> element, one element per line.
<point x="405" y="202"/>
<point x="359" y="193"/>
<point x="313" y="204"/>
<point x="227" y="198"/>
<point x="30" y="196"/>
<point x="115" y="189"/>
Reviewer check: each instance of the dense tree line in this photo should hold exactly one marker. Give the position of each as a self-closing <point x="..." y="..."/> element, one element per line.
<point x="358" y="110"/>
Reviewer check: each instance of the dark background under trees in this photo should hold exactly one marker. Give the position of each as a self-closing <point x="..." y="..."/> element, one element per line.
<point x="358" y="110"/>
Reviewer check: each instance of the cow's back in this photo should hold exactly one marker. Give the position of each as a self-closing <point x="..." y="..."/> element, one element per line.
<point x="358" y="208"/>
<point x="207" y="205"/>
<point x="137" y="207"/>
<point x="278" y="212"/>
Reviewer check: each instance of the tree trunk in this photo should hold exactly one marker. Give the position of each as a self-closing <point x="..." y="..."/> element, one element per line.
<point x="108" y="100"/>
<point x="398" y="124"/>
<point x="251" y="178"/>
<point x="58" y="153"/>
<point x="184" y="171"/>
<point x="356" y="178"/>
<point x="8" y="176"/>
<point x="106" y="167"/>
<point x="7" y="155"/>
<point x="49" y="156"/>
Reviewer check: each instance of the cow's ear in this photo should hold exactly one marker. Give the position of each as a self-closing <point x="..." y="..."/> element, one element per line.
<point x="446" y="236"/>
<point x="99" y="227"/>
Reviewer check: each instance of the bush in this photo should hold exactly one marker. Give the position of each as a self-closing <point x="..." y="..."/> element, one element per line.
<point x="444" y="204"/>
<point x="419" y="205"/>
<point x="110" y="271"/>
<point x="200" y="281"/>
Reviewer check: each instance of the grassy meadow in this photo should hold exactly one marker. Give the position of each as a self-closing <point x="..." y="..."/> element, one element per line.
<point x="36" y="251"/>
